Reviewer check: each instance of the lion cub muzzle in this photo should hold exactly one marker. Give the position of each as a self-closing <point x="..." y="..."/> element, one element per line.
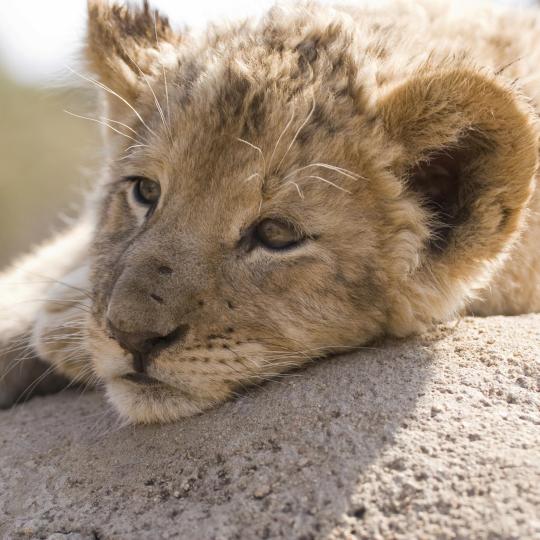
<point x="144" y="313"/>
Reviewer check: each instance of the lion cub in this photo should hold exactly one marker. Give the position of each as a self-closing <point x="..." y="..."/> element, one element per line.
<point x="280" y="190"/>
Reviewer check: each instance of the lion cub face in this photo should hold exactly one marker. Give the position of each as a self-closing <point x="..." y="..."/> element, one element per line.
<point x="261" y="210"/>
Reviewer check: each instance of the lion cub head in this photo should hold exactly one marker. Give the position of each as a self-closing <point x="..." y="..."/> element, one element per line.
<point x="269" y="199"/>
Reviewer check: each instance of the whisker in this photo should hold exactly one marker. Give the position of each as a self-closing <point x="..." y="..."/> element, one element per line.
<point x="121" y="124"/>
<point x="127" y="153"/>
<point x="335" y="168"/>
<point x="22" y="346"/>
<point x="323" y="348"/>
<point x="136" y="146"/>
<point x="156" y="101"/>
<point x="112" y="92"/>
<point x="304" y="123"/>
<point x="255" y="148"/>
<point x="74" y="324"/>
<point x="251" y="176"/>
<point x="281" y="135"/>
<point x="163" y="71"/>
<point x="18" y="363"/>
<point x="32" y="386"/>
<point x="341" y="170"/>
<point x="77" y="304"/>
<point x="297" y="188"/>
<point x="101" y="122"/>
<point x="327" y="182"/>
<point x="82" y="291"/>
<point x="79" y="378"/>
<point x="48" y="279"/>
<point x="19" y="343"/>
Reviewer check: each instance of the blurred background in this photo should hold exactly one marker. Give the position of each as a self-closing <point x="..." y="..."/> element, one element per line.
<point x="47" y="158"/>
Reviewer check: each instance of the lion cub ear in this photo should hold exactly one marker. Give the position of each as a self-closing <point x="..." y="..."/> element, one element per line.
<point x="126" y="44"/>
<point x="468" y="155"/>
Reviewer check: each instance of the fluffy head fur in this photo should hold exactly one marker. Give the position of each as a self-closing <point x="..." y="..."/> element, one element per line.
<point x="405" y="176"/>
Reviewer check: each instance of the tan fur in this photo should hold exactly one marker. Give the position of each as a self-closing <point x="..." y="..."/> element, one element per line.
<point x="401" y="141"/>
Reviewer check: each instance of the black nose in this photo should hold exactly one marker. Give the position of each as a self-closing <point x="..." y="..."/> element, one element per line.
<point x="144" y="345"/>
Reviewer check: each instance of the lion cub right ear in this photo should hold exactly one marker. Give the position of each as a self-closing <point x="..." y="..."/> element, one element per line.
<point x="126" y="46"/>
<point x="468" y="158"/>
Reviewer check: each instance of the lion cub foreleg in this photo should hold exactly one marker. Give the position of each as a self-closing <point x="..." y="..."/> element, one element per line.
<point x="43" y="304"/>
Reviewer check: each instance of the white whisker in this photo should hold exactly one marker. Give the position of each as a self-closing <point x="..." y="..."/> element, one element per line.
<point x="127" y="153"/>
<point x="102" y="122"/>
<point x="137" y="146"/>
<point x="163" y="71"/>
<point x="335" y="168"/>
<point x="304" y="123"/>
<point x="112" y="92"/>
<point x="156" y="101"/>
<point x="297" y="188"/>
<point x="255" y="148"/>
<point x="281" y="135"/>
<point x="48" y="279"/>
<point x="251" y="176"/>
<point x="327" y="182"/>
<point x="120" y="123"/>
<point x="34" y="384"/>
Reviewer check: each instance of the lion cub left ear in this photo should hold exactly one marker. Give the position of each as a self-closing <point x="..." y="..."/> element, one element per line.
<point x="127" y="44"/>
<point x="468" y="156"/>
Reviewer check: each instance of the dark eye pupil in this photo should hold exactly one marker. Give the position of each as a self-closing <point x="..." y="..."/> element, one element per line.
<point x="146" y="191"/>
<point x="274" y="234"/>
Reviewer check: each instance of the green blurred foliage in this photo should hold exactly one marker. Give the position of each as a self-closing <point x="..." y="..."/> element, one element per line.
<point x="46" y="162"/>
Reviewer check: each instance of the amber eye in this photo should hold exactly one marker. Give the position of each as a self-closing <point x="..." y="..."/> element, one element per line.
<point x="145" y="191"/>
<point x="275" y="234"/>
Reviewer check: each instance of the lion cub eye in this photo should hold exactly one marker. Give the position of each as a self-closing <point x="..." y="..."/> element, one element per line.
<point x="274" y="234"/>
<point x="145" y="191"/>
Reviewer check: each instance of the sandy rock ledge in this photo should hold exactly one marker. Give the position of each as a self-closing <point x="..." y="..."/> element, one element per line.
<point x="437" y="437"/>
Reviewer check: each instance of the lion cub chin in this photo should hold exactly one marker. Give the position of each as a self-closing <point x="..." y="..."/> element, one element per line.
<point x="284" y="189"/>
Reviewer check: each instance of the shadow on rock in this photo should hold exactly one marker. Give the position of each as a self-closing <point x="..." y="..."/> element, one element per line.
<point x="281" y="461"/>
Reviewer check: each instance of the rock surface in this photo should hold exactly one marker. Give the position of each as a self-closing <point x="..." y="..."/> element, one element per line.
<point x="437" y="437"/>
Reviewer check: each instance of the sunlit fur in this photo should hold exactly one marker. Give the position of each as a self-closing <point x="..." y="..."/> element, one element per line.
<point x="337" y="119"/>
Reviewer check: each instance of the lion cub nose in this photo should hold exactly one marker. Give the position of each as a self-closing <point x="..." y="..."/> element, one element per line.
<point x="144" y="344"/>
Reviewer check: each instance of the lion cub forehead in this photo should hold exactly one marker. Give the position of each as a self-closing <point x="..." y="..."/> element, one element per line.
<point x="253" y="86"/>
<point x="247" y="135"/>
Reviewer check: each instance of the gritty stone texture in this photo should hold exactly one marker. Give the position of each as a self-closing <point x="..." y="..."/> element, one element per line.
<point x="436" y="437"/>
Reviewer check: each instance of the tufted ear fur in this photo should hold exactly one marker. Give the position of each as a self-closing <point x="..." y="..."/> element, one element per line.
<point x="127" y="44"/>
<point x="468" y="157"/>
